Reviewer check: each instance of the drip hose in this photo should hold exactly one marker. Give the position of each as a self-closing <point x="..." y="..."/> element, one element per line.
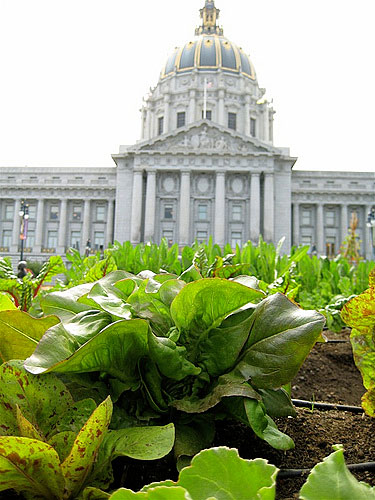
<point x="289" y="473"/>
<point x="326" y="406"/>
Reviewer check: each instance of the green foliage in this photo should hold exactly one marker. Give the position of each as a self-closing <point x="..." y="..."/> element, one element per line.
<point x="218" y="473"/>
<point x="332" y="479"/>
<point x="163" y="345"/>
<point x="359" y="313"/>
<point x="52" y="447"/>
<point x="24" y="290"/>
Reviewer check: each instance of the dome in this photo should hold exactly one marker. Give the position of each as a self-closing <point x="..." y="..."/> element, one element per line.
<point x="209" y="52"/>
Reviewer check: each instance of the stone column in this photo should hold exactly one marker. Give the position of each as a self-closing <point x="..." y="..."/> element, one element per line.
<point x="219" y="231"/>
<point x="221" y="109"/>
<point x="86" y="224"/>
<point x="150" y="206"/>
<point x="184" y="213"/>
<point x="367" y="241"/>
<point x="247" y="115"/>
<point x="344" y="225"/>
<point x="265" y="119"/>
<point x="16" y="225"/>
<point x="191" y="117"/>
<point x="166" y="114"/>
<point x="61" y="242"/>
<point x="296" y="223"/>
<point x="254" y="207"/>
<point x="136" y="217"/>
<point x="269" y="204"/>
<point x="320" y="229"/>
<point x="39" y="225"/>
<point x="109" y="227"/>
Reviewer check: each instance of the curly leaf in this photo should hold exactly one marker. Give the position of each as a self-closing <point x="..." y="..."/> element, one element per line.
<point x="30" y="466"/>
<point x="332" y="479"/>
<point x="220" y="473"/>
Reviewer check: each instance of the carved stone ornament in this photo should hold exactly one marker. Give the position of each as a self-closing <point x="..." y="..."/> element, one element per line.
<point x="205" y="139"/>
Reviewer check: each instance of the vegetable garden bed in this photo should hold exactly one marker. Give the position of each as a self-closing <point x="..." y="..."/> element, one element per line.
<point x="328" y="375"/>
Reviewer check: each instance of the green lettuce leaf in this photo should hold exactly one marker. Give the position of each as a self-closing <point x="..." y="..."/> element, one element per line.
<point x="20" y="333"/>
<point x="332" y="479"/>
<point x="282" y="334"/>
<point x="116" y="350"/>
<point x="203" y="305"/>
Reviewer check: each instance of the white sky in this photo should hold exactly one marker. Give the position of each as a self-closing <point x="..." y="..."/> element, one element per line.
<point x="73" y="74"/>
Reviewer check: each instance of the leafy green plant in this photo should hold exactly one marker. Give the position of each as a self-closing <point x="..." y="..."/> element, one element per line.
<point x="332" y="479"/>
<point x="171" y="351"/>
<point x="52" y="447"/>
<point x="24" y="290"/>
<point x="359" y="313"/>
<point x="220" y="474"/>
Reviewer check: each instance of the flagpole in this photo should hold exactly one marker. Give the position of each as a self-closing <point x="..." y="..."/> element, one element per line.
<point x="205" y="99"/>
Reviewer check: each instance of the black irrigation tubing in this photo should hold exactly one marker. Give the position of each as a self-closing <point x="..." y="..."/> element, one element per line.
<point x="326" y="406"/>
<point x="289" y="473"/>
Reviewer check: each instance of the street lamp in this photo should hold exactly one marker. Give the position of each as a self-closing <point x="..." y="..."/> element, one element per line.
<point x="371" y="224"/>
<point x="24" y="214"/>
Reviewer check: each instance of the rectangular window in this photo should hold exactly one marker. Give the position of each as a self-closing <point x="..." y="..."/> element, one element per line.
<point x="9" y="211"/>
<point x="181" y="119"/>
<point x="52" y="239"/>
<point x="30" y="240"/>
<point x="75" y="239"/>
<point x="208" y="114"/>
<point x="236" y="239"/>
<point x="237" y="212"/>
<point x="32" y="212"/>
<point x="77" y="212"/>
<point x="306" y="218"/>
<point x="330" y="217"/>
<point x="168" y="211"/>
<point x="202" y="211"/>
<point x="202" y="236"/>
<point x="7" y="238"/>
<point x="253" y="127"/>
<point x="98" y="240"/>
<point x="53" y="213"/>
<point x="160" y="125"/>
<point x="100" y="213"/>
<point x="232" y="121"/>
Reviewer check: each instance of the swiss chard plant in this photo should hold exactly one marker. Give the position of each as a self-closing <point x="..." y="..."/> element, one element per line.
<point x="184" y="353"/>
<point x="24" y="290"/>
<point x="53" y="447"/>
<point x="359" y="313"/>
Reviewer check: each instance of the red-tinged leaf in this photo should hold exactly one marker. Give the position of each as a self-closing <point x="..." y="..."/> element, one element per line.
<point x="78" y="464"/>
<point x="30" y="466"/>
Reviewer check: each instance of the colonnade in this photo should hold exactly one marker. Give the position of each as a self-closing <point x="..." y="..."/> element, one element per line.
<point x="43" y="223"/>
<point x="319" y="225"/>
<point x="184" y="202"/>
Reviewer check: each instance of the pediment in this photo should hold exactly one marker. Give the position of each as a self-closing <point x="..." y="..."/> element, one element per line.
<point x="205" y="137"/>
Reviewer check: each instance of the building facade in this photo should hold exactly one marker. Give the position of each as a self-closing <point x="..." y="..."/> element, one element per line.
<point x="205" y="165"/>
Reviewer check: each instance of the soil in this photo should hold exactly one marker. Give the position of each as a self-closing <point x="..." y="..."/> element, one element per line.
<point x="328" y="375"/>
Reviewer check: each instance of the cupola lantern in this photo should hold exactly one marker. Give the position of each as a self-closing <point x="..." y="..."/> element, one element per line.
<point x="209" y="16"/>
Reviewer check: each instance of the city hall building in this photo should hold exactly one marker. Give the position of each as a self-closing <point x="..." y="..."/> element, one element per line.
<point x="205" y="165"/>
